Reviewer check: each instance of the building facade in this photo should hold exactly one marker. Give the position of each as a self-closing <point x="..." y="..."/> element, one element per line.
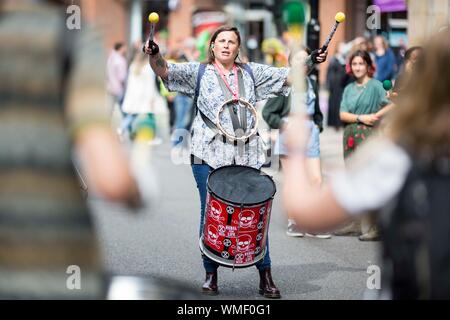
<point x="126" y="20"/>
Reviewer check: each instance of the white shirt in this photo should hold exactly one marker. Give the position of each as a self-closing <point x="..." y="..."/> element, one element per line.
<point x="116" y="69"/>
<point x="375" y="176"/>
<point x="141" y="95"/>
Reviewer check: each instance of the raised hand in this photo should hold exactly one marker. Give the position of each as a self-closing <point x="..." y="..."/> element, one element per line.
<point x="151" y="48"/>
<point x="317" y="56"/>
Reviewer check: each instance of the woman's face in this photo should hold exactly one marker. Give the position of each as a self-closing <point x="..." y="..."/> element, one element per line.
<point x="378" y="43"/>
<point x="226" y="47"/>
<point x="359" y="67"/>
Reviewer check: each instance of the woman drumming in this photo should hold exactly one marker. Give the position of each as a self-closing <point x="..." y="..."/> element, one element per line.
<point x="223" y="78"/>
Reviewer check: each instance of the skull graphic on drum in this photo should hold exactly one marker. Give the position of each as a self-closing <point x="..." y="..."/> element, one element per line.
<point x="213" y="236"/>
<point x="247" y="219"/>
<point x="244" y="243"/>
<point x="239" y="258"/>
<point x="215" y="210"/>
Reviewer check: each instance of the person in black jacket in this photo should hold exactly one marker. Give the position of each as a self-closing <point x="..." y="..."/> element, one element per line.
<point x="337" y="79"/>
<point x="275" y="113"/>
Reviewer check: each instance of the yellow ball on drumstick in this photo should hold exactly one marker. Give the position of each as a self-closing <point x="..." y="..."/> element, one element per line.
<point x="153" y="17"/>
<point x="340" y="17"/>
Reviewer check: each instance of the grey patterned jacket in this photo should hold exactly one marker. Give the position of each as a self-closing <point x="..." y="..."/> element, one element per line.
<point x="269" y="82"/>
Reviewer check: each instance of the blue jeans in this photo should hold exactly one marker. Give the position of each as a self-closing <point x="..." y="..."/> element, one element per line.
<point x="127" y="122"/>
<point x="201" y="172"/>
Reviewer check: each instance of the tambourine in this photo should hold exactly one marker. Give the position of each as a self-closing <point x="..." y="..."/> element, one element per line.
<point x="247" y="106"/>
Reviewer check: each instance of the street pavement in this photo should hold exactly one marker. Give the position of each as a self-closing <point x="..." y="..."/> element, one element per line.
<point x="163" y="240"/>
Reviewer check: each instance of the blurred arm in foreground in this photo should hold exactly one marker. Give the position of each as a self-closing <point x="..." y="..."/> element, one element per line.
<point x="105" y="164"/>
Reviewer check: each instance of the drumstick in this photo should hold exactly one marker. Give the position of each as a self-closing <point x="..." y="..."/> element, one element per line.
<point x="340" y="17"/>
<point x="153" y="18"/>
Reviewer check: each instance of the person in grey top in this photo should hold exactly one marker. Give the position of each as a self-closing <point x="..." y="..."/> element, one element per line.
<point x="223" y="79"/>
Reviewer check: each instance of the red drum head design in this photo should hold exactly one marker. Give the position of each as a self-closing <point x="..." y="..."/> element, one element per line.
<point x="237" y="216"/>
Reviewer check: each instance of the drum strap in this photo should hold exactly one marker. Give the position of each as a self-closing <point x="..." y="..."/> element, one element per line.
<point x="206" y="120"/>
<point x="239" y="127"/>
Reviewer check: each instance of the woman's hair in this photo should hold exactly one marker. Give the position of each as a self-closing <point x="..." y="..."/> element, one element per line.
<point x="367" y="59"/>
<point x="410" y="51"/>
<point x="359" y="43"/>
<point x="421" y="121"/>
<point x="118" y="46"/>
<point x="214" y="36"/>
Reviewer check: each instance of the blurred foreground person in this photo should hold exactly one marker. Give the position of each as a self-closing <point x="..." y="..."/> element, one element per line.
<point x="337" y="80"/>
<point x="404" y="176"/>
<point x="276" y="112"/>
<point x="141" y="99"/>
<point x="53" y="97"/>
<point x="116" y="68"/>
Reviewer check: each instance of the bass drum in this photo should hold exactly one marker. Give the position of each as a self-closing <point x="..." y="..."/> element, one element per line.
<point x="237" y="216"/>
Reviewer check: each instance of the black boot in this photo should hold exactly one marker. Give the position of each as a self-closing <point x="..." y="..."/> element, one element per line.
<point x="266" y="286"/>
<point x="210" y="285"/>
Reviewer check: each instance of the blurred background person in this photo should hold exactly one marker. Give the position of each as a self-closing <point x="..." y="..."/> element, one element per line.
<point x="189" y="50"/>
<point x="359" y="43"/>
<point x="191" y="53"/>
<point x="337" y="80"/>
<point x="361" y="102"/>
<point x="116" y="68"/>
<point x="168" y="95"/>
<point x="404" y="176"/>
<point x="361" y="107"/>
<point x="386" y="63"/>
<point x="46" y="225"/>
<point x="274" y="52"/>
<point x="400" y="54"/>
<point x="182" y="103"/>
<point x="141" y="97"/>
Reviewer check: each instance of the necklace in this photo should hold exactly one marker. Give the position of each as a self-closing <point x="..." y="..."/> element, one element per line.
<point x="234" y="93"/>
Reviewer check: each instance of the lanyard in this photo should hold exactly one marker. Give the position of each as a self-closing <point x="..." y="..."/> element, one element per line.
<point x="235" y="94"/>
